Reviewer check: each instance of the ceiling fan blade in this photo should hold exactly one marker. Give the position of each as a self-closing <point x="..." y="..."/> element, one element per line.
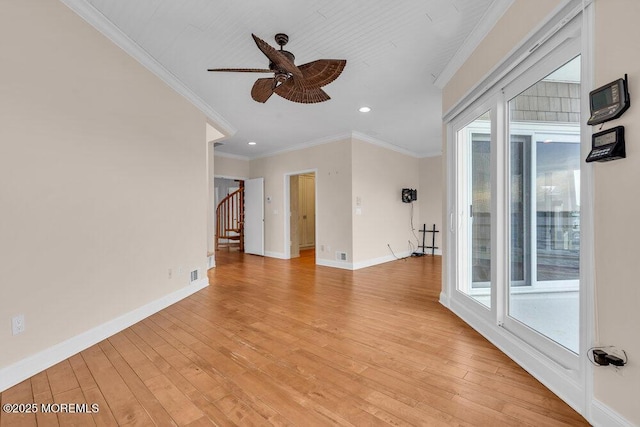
<point x="321" y="72"/>
<point x="262" y="89"/>
<point x="281" y="61"/>
<point x="296" y="93"/>
<point x="242" y="70"/>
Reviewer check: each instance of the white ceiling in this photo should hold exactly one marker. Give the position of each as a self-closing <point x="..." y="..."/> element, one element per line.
<point x="395" y="51"/>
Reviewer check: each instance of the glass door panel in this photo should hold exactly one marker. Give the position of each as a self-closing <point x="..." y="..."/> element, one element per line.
<point x="544" y="214"/>
<point x="476" y="141"/>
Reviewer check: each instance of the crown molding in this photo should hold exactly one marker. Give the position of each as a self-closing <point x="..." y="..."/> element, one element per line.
<point x="309" y="144"/>
<point x="366" y="138"/>
<point x="98" y="21"/>
<point x="486" y="23"/>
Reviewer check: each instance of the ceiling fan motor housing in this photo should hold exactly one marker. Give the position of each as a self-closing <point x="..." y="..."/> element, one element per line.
<point x="282" y="39"/>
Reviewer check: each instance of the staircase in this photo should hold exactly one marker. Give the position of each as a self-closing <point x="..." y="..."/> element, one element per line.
<point x="230" y="221"/>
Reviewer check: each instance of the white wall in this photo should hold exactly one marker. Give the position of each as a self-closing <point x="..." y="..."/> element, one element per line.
<point x="102" y="180"/>
<point x="379" y="175"/>
<point x="333" y="182"/>
<point x="430" y="192"/>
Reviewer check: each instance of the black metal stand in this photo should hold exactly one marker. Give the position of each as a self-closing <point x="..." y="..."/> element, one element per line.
<point x="424" y="232"/>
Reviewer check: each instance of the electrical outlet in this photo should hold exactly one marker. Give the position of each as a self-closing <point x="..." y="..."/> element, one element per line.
<point x="17" y="324"/>
<point x="170" y="273"/>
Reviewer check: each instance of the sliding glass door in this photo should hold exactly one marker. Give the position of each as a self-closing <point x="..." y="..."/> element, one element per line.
<point x="518" y="209"/>
<point x="544" y="208"/>
<point x="475" y="143"/>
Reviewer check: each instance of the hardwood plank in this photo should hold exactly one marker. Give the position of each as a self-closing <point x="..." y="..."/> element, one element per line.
<point x="42" y="395"/>
<point x="71" y="419"/>
<point x="152" y="402"/>
<point x="289" y="343"/>
<point x="104" y="416"/>
<point x="20" y="393"/>
<point x="62" y="378"/>
<point x="123" y="403"/>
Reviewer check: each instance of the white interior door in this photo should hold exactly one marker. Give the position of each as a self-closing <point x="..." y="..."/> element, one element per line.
<point x="254" y="216"/>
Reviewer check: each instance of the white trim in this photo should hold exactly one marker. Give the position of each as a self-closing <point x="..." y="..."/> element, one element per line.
<point x="588" y="303"/>
<point x="334" y="264"/>
<point x="473" y="40"/>
<point x="366" y="138"/>
<point x="367" y="263"/>
<point x="25" y="368"/>
<point x="97" y="20"/>
<point x="603" y="416"/>
<point x="347" y="137"/>
<point x="309" y="144"/>
<point x="381" y="260"/>
<point x="436" y="252"/>
<point x="272" y="254"/>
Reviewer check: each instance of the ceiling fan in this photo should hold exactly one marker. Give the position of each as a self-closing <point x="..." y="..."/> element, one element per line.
<point x="296" y="83"/>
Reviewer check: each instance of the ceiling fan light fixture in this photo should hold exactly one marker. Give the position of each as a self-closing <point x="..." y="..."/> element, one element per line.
<point x="364" y="109"/>
<point x="300" y="84"/>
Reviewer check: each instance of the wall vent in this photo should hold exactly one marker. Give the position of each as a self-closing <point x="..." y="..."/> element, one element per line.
<point x="194" y="276"/>
<point x="341" y="256"/>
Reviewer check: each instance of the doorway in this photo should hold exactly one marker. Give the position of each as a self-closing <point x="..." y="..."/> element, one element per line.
<point x="301" y="229"/>
<point x="227" y="215"/>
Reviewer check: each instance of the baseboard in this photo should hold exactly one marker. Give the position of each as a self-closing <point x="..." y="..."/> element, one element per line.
<point x="444" y="299"/>
<point x="335" y="264"/>
<point x="26" y="368"/>
<point x="380" y="260"/>
<point x="604" y="416"/>
<point x="278" y="255"/>
<point x="362" y="264"/>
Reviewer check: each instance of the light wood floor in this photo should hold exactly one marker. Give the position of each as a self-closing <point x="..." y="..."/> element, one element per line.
<point x="275" y="342"/>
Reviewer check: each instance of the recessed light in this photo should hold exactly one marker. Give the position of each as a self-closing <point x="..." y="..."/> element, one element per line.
<point x="252" y="143"/>
<point x="364" y="109"/>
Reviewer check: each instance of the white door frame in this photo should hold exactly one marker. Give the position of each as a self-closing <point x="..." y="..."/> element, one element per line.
<point x="287" y="208"/>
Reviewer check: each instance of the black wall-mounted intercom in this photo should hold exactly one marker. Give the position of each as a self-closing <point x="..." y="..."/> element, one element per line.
<point x="409" y="195"/>
<point x="609" y="102"/>
<point x="607" y="145"/>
